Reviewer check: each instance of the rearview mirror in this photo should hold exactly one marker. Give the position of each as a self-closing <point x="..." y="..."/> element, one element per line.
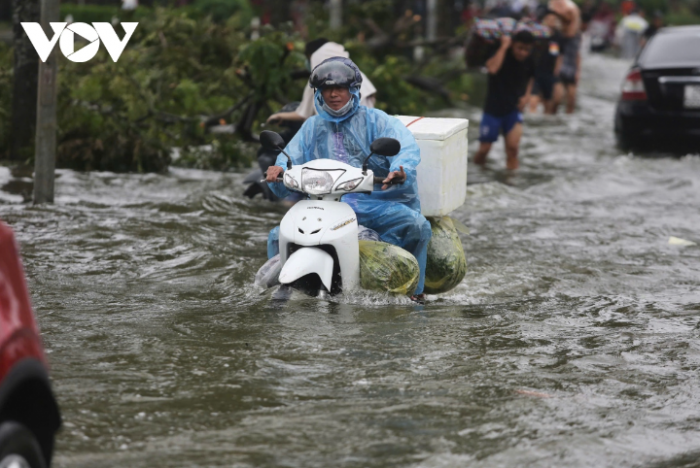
<point x="274" y="142"/>
<point x="271" y="140"/>
<point x="385" y="146"/>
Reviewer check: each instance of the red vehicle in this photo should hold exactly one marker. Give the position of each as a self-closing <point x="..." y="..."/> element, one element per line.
<point x="29" y="415"/>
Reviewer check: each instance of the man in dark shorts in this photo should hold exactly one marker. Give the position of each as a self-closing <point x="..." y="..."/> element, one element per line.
<point x="548" y="63"/>
<point x="511" y="71"/>
<point x="570" y="70"/>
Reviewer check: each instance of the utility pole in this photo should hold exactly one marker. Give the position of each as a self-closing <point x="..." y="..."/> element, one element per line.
<point x="45" y="157"/>
<point x="432" y="20"/>
<point x="336" y="14"/>
<point x="26" y="71"/>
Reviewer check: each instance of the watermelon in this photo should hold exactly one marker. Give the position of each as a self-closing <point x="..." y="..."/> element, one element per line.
<point x="447" y="264"/>
<point x="387" y="268"/>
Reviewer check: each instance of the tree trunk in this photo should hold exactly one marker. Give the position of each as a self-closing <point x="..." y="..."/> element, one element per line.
<point x="26" y="71"/>
<point x="449" y="18"/>
<point x="336" y="14"/>
<point x="279" y="11"/>
<point x="6" y="11"/>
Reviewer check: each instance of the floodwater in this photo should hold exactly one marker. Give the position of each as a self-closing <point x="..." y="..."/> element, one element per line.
<point x="574" y="339"/>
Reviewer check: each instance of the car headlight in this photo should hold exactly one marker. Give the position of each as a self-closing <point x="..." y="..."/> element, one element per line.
<point x="290" y="181"/>
<point x="350" y="184"/>
<point x="317" y="182"/>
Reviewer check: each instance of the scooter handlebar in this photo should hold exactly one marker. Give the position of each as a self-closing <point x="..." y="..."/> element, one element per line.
<point x="264" y="179"/>
<point x="380" y="180"/>
<point x="377" y="180"/>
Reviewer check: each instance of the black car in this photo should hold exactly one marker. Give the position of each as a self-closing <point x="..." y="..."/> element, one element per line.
<point x="660" y="100"/>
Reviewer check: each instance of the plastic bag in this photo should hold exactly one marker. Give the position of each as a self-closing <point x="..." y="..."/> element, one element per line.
<point x="447" y="264"/>
<point x="268" y="275"/>
<point x="486" y="35"/>
<point x="364" y="233"/>
<point x="387" y="268"/>
<point x="493" y="29"/>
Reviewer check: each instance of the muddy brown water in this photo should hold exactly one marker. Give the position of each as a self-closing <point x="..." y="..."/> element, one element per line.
<point x="573" y="340"/>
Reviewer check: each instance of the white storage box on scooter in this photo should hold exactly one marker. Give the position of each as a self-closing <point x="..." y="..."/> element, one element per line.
<point x="442" y="173"/>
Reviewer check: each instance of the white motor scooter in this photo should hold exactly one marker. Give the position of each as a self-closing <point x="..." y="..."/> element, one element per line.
<point x="319" y="249"/>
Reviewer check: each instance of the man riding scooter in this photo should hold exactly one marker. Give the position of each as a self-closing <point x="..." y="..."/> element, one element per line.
<point x="343" y="130"/>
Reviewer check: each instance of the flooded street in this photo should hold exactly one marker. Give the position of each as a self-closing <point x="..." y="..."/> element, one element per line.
<point x="574" y="339"/>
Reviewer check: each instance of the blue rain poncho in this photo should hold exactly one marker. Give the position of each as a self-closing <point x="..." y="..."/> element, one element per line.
<point x="394" y="213"/>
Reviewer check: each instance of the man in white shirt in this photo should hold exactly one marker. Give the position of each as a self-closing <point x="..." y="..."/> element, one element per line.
<point x="316" y="52"/>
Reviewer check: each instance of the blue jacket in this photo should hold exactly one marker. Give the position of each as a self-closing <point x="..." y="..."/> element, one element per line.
<point x="348" y="139"/>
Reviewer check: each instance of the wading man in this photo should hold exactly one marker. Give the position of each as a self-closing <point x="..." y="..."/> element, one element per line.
<point x="548" y="65"/>
<point x="511" y="71"/>
<point x="570" y="70"/>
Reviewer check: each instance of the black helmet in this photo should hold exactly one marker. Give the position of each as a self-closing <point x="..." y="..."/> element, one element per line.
<point x="336" y="71"/>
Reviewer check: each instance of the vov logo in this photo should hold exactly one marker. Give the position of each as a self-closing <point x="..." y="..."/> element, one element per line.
<point x="65" y="35"/>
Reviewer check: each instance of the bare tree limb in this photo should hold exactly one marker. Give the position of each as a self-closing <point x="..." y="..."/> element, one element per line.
<point x="214" y="119"/>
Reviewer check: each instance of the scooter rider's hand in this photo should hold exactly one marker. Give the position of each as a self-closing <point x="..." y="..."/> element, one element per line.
<point x="273" y="172"/>
<point x="396" y="177"/>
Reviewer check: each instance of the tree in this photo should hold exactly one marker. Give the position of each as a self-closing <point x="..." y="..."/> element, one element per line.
<point x="26" y="70"/>
<point x="279" y="11"/>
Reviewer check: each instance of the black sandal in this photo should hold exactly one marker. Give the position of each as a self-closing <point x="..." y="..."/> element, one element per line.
<point x="418" y="298"/>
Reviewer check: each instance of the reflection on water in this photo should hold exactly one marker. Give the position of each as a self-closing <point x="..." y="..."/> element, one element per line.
<point x="573" y="340"/>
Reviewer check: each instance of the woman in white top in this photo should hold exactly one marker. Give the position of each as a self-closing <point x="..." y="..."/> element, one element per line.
<point x="316" y="52"/>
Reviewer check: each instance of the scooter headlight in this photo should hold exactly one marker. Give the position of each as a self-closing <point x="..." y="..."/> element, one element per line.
<point x="290" y="181"/>
<point x="317" y="182"/>
<point x="350" y="184"/>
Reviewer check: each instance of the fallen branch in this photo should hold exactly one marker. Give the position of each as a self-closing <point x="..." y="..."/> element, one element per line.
<point x="214" y="119"/>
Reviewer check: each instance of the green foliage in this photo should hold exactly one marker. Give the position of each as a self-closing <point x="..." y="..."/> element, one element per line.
<point x="221" y="10"/>
<point x="683" y="18"/>
<point x="89" y="13"/>
<point x="268" y="63"/>
<point x="182" y="68"/>
<point x="175" y="72"/>
<point x="380" y="11"/>
<point x="101" y="13"/>
<point x="650" y="6"/>
<point x="223" y="153"/>
<point x="396" y="95"/>
<point x="388" y="66"/>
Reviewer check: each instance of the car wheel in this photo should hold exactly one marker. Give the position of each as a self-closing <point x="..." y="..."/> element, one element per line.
<point x="625" y="141"/>
<point x="18" y="447"/>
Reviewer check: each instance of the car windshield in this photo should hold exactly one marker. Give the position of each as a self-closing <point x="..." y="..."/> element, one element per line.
<point x="672" y="50"/>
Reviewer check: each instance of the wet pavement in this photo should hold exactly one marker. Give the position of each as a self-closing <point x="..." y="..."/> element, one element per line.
<point x="572" y="341"/>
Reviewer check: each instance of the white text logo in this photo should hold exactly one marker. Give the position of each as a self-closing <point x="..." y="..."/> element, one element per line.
<point x="93" y="34"/>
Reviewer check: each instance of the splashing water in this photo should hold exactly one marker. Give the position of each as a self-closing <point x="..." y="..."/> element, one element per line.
<point x="572" y="341"/>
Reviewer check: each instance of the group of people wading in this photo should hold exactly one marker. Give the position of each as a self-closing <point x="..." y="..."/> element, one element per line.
<point x="522" y="75"/>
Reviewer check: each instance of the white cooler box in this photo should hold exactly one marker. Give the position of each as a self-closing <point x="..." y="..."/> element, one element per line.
<point x="442" y="173"/>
